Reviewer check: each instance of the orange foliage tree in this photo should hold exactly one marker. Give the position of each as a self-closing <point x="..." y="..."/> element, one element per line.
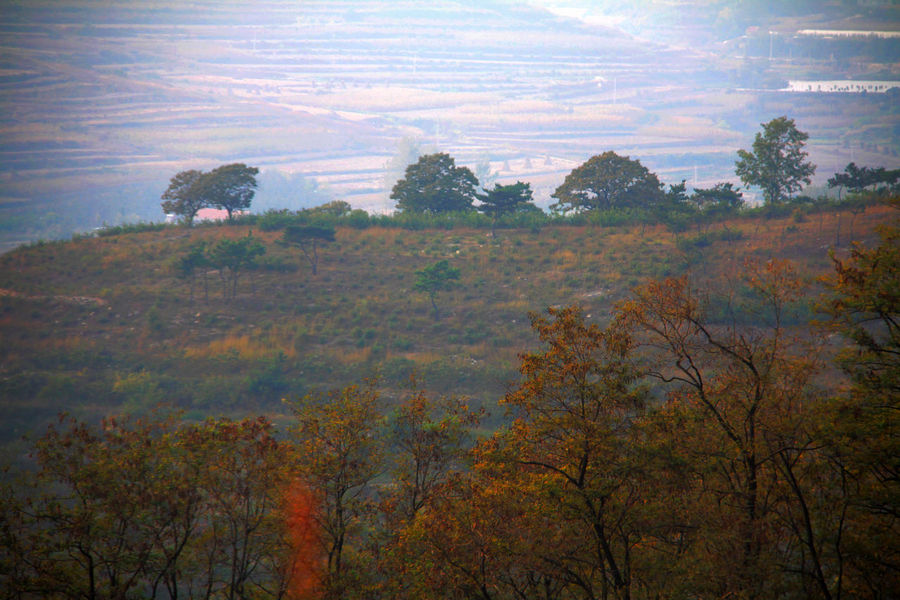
<point x="743" y="395"/>
<point x="550" y="507"/>
<point x="306" y="568"/>
<point x="145" y="507"/>
<point x="339" y="440"/>
<point x="863" y="303"/>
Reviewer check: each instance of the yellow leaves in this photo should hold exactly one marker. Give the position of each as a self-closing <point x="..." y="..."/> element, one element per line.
<point x="245" y="347"/>
<point x="776" y="279"/>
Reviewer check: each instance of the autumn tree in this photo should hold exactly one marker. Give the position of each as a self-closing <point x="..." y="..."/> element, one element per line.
<point x="144" y="507"/>
<point x="550" y="507"/>
<point x="429" y="439"/>
<point x="738" y="390"/>
<point x="434" y="184"/>
<point x="575" y="406"/>
<point x="84" y="516"/>
<point x="340" y="451"/>
<point x="863" y="303"/>
<point x="241" y="547"/>
<point x="435" y="278"/>
<point x="777" y="163"/>
<point x="608" y="181"/>
<point x="481" y="538"/>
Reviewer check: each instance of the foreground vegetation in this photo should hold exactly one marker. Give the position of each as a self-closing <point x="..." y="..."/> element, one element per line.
<point x="701" y="442"/>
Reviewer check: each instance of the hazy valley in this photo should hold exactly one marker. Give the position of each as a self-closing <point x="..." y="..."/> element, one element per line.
<point x="101" y="107"/>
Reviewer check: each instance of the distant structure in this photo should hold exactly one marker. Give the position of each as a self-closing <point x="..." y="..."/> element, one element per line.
<point x="848" y="33"/>
<point x="841" y="86"/>
<point x="215" y="214"/>
<point x="206" y="215"/>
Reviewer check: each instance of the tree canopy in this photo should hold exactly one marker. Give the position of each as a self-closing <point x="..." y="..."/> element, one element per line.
<point x="506" y="199"/>
<point x="608" y="181"/>
<point x="235" y="256"/>
<point x="308" y="238"/>
<point x="434" y="184"/>
<point x="230" y="187"/>
<point x="434" y="278"/>
<point x="183" y="196"/>
<point x="777" y="163"/>
<point x="856" y="179"/>
<point x="720" y="198"/>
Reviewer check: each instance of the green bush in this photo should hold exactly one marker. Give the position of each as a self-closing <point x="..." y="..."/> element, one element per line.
<point x="126" y="228"/>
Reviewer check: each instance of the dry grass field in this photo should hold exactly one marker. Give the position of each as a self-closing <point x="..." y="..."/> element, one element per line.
<point x="103" y="324"/>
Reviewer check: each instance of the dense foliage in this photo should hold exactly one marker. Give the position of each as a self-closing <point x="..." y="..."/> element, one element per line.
<point x="434" y="184"/>
<point x="228" y="187"/>
<point x="608" y="181"/>
<point x="777" y="163"/>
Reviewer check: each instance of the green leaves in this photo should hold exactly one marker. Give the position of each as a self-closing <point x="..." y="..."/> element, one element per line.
<point x="184" y="196"/>
<point x="608" y="181"/>
<point x="435" y="184"/>
<point x="506" y="199"/>
<point x="229" y="187"/>
<point x="434" y="278"/>
<point x="308" y="238"/>
<point x="235" y="255"/>
<point x="777" y="163"/>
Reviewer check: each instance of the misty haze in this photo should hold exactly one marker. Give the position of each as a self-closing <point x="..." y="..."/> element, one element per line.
<point x="102" y="103"/>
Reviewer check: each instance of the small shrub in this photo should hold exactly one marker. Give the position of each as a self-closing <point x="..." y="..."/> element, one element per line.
<point x="686" y="244"/>
<point x="731" y="235"/>
<point x="126" y="228"/>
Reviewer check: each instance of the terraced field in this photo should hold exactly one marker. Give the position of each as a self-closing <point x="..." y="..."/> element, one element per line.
<point x="101" y="105"/>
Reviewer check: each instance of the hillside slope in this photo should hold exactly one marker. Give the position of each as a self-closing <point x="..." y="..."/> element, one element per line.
<point x="103" y="324"/>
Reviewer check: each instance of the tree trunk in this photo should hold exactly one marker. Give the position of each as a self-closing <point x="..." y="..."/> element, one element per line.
<point x="437" y="316"/>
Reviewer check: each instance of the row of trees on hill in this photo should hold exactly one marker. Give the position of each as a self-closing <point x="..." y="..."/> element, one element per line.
<point x="856" y="179"/>
<point x="700" y="445"/>
<point x="434" y="184"/>
<point x="608" y="181"/>
<point x="777" y="164"/>
<point x="229" y="187"/>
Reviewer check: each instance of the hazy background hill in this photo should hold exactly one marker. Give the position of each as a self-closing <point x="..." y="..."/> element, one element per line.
<point x="103" y="102"/>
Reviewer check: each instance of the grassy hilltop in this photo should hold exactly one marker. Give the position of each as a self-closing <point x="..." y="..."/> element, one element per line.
<point x="99" y="325"/>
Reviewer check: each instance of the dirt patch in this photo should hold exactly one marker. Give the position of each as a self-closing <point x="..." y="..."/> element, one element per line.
<point x="76" y="300"/>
